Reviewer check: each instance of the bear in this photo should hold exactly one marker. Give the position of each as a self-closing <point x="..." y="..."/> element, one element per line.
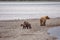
<point x="26" y="25"/>
<point x="43" y="20"/>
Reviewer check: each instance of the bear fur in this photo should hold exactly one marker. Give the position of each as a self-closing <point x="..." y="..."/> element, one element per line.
<point x="26" y="25"/>
<point x="43" y="20"/>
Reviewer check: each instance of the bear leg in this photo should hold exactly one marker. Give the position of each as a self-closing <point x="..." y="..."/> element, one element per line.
<point x="24" y="27"/>
<point x="44" y="23"/>
<point x="27" y="27"/>
<point x="41" y="22"/>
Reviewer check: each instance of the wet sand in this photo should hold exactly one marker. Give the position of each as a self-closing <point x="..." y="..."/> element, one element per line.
<point x="11" y="29"/>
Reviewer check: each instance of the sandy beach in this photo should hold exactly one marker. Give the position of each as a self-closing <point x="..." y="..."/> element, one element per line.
<point x="11" y="29"/>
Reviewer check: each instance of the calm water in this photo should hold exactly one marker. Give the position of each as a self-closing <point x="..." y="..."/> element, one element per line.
<point x="55" y="31"/>
<point x="23" y="16"/>
<point x="27" y="10"/>
<point x="19" y="16"/>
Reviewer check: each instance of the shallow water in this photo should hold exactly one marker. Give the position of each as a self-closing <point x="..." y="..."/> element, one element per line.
<point x="55" y="31"/>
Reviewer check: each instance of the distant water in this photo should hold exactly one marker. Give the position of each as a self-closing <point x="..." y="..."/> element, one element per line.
<point x="28" y="10"/>
<point x="25" y="16"/>
<point x="22" y="16"/>
<point x="19" y="16"/>
<point x="55" y="31"/>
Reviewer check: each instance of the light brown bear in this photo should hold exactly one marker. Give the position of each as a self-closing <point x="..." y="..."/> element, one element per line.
<point x="26" y="25"/>
<point x="43" y="20"/>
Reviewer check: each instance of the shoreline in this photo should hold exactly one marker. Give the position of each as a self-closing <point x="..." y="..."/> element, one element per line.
<point x="11" y="30"/>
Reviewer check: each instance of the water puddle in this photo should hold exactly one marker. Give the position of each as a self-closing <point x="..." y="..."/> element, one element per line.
<point x="55" y="32"/>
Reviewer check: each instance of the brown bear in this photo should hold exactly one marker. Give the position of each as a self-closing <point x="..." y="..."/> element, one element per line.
<point x="43" y="20"/>
<point x="26" y="25"/>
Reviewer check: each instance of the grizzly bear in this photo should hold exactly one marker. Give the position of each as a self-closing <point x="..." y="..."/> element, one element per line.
<point x="43" y="20"/>
<point x="26" y="25"/>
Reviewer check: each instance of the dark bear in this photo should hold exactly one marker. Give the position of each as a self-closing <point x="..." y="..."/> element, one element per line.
<point x="26" y="25"/>
<point x="43" y="20"/>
